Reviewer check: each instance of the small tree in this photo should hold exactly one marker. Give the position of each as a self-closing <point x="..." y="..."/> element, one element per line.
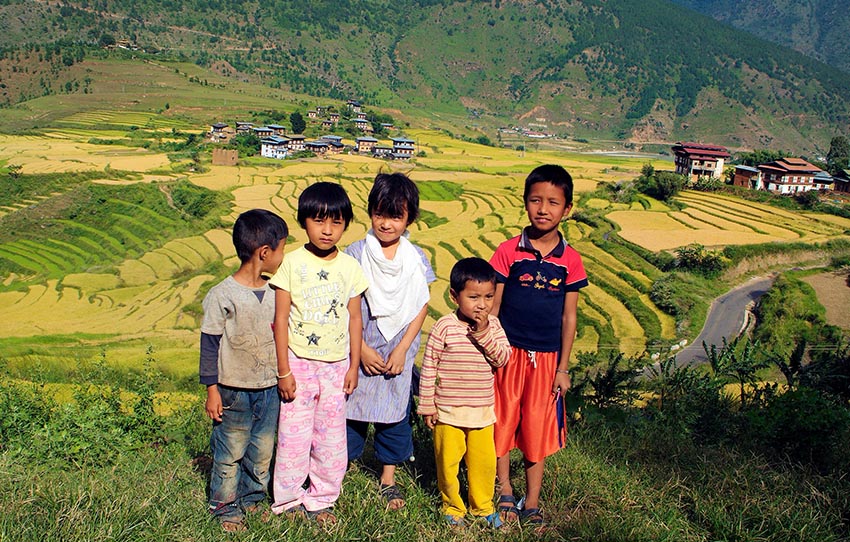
<point x="296" y="120"/>
<point x="838" y="157"/>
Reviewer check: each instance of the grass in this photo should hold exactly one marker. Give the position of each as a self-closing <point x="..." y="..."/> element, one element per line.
<point x="606" y="484"/>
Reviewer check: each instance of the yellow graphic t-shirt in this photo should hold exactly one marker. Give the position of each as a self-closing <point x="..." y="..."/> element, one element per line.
<point x="320" y="291"/>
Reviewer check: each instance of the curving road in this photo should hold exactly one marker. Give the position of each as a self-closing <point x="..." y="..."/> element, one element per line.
<point x="726" y="318"/>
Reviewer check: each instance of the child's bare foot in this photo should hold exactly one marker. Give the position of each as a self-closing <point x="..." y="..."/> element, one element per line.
<point x="393" y="496"/>
<point x="508" y="511"/>
<point x="233" y="526"/>
<point x="324" y="517"/>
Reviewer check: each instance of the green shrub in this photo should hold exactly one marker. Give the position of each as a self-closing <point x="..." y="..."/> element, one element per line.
<point x="803" y="425"/>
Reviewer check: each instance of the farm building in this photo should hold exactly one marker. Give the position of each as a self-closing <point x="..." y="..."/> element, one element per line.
<point x="225" y="157"/>
<point x="274" y="147"/>
<point x="695" y="160"/>
<point x="263" y="131"/>
<point x="365" y="144"/>
<point x="296" y="142"/>
<point x="841" y="182"/>
<point x="219" y="132"/>
<point x="790" y="176"/>
<point x="318" y="147"/>
<point x="403" y="147"/>
<point x="747" y="177"/>
<point x="363" y="125"/>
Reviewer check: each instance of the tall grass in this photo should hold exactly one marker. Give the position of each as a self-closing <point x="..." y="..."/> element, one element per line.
<point x="105" y="468"/>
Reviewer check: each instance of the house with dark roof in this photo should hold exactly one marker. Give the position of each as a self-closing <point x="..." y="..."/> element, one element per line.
<point x="278" y="129"/>
<point x="841" y="182"/>
<point x="789" y="176"/>
<point x="365" y="145"/>
<point x="243" y="127"/>
<point x="219" y="132"/>
<point x="695" y="160"/>
<point x="382" y="151"/>
<point x="363" y="125"/>
<point x="747" y="177"/>
<point x="318" y="147"/>
<point x="274" y="147"/>
<point x="263" y="131"/>
<point x="296" y="142"/>
<point x="403" y="147"/>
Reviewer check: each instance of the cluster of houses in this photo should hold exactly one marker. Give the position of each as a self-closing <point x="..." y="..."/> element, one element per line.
<point x="276" y="143"/>
<point x="782" y="176"/>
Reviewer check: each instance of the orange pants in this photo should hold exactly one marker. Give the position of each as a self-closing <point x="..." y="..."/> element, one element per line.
<point x="526" y="410"/>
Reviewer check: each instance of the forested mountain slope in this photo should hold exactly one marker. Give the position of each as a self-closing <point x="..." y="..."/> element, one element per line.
<point x="641" y="72"/>
<point x="817" y="28"/>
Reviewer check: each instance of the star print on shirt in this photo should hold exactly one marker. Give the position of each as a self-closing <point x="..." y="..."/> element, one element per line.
<point x="323" y="275"/>
<point x="313" y="339"/>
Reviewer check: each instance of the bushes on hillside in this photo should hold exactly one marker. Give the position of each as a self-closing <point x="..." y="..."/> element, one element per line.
<point x="661" y="185"/>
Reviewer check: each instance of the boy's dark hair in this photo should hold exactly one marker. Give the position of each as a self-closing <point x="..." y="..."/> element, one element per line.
<point x="468" y="269"/>
<point x="550" y="173"/>
<point x="256" y="228"/>
<point x="392" y="194"/>
<point x="324" y="200"/>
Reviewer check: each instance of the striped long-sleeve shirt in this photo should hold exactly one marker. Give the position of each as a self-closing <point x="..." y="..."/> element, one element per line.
<point x="457" y="369"/>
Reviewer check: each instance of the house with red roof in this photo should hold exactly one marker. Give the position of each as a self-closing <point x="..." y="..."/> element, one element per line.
<point x="695" y="160"/>
<point x="789" y="176"/>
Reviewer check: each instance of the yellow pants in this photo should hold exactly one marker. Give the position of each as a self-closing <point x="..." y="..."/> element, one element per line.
<point x="477" y="448"/>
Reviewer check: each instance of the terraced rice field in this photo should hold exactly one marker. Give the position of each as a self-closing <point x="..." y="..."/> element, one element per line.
<point x="43" y="154"/>
<point x="716" y="220"/>
<point x="473" y="195"/>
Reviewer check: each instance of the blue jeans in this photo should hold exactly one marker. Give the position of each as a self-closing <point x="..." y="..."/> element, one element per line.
<point x="242" y="445"/>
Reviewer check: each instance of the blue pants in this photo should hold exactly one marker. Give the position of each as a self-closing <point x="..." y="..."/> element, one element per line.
<point x="242" y="445"/>
<point x="393" y="441"/>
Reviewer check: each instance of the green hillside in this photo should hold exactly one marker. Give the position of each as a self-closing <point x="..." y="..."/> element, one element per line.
<point x="591" y="70"/>
<point x="818" y="28"/>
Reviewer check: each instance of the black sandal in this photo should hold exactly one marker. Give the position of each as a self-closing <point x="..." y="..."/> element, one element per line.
<point x="508" y="510"/>
<point x="392" y="493"/>
<point x="533" y="517"/>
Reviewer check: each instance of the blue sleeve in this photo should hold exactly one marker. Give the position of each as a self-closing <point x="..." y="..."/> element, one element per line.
<point x="208" y="370"/>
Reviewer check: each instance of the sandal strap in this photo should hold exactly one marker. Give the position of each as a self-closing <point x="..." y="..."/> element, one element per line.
<point x="533" y="516"/>
<point x="391" y="493"/>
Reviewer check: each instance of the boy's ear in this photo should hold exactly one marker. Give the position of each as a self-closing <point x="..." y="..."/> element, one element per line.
<point x="453" y="295"/>
<point x="567" y="210"/>
<point x="263" y="252"/>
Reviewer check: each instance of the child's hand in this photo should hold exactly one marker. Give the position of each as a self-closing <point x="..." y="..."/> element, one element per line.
<point x="482" y="322"/>
<point x="372" y="362"/>
<point x="286" y="388"/>
<point x="395" y="363"/>
<point x="430" y="420"/>
<point x="213" y="405"/>
<point x="562" y="382"/>
<point x="351" y="377"/>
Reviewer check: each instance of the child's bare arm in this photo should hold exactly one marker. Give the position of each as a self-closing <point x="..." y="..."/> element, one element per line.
<point x="569" y="323"/>
<point x="355" y="331"/>
<point x="395" y="361"/>
<point x="286" y="384"/>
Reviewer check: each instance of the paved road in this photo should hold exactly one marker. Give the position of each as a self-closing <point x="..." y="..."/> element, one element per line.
<point x="725" y="319"/>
